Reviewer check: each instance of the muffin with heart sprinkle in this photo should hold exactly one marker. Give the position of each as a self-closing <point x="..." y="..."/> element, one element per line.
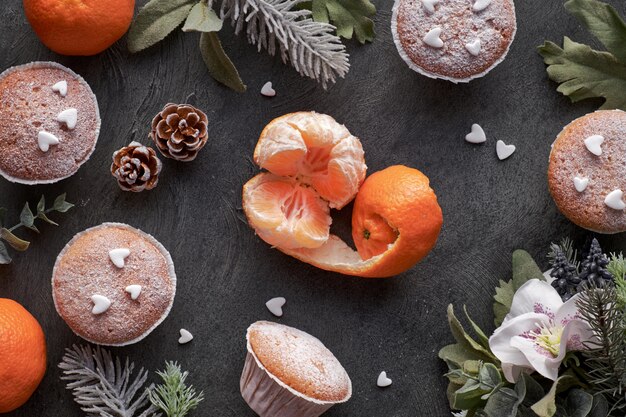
<point x="113" y="284"/>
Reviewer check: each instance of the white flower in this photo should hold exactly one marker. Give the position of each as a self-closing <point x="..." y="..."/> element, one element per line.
<point x="538" y="331"/>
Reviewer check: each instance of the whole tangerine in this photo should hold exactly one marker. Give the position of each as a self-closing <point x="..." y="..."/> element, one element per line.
<point x="22" y="355"/>
<point x="79" y="27"/>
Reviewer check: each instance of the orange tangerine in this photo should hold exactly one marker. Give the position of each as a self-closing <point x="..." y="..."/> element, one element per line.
<point x="315" y="164"/>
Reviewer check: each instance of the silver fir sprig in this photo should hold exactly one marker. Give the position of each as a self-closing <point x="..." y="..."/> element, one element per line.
<point x="103" y="387"/>
<point x="310" y="47"/>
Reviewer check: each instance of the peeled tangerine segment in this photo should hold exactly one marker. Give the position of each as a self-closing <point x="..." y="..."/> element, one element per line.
<point x="317" y="151"/>
<point x="285" y="213"/>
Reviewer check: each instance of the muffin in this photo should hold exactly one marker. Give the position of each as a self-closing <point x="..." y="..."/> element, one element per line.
<point x="289" y="373"/>
<point x="587" y="171"/>
<point x="455" y="40"/>
<point x="49" y="123"/>
<point x="113" y="284"/>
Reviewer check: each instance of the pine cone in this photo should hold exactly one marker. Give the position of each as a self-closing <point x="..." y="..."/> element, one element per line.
<point x="179" y="131"/>
<point x="136" y="167"/>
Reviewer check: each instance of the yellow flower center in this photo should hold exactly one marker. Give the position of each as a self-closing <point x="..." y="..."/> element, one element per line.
<point x="548" y="338"/>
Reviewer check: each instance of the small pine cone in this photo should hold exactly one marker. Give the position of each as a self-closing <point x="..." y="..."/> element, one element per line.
<point x="180" y="131"/>
<point x="136" y="167"/>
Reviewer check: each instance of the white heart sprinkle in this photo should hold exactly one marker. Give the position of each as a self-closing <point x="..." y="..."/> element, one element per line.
<point x="429" y="5"/>
<point x="383" y="381"/>
<point x="473" y="47"/>
<point x="69" y="117"/>
<point x="614" y="200"/>
<point x="432" y="38"/>
<point x="477" y="135"/>
<point x="275" y="306"/>
<point x="61" y="88"/>
<point x="481" y="5"/>
<point x="503" y="150"/>
<point x="267" y="90"/>
<point x="594" y="144"/>
<point x="45" y="139"/>
<point x="118" y="256"/>
<point x="581" y="183"/>
<point x="134" y="291"/>
<point x="100" y="304"/>
<point x="185" y="337"/>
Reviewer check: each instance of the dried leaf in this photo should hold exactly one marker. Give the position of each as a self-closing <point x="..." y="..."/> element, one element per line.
<point x="41" y="215"/>
<point x="156" y="20"/>
<point x="201" y="18"/>
<point x="14" y="241"/>
<point x="61" y="205"/>
<point x="349" y="16"/>
<point x="4" y="255"/>
<point x="220" y="66"/>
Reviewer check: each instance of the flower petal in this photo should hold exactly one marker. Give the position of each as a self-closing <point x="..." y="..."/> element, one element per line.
<point x="535" y="297"/>
<point x="568" y="311"/>
<point x="500" y="341"/>
<point x="575" y="334"/>
<point x="543" y="362"/>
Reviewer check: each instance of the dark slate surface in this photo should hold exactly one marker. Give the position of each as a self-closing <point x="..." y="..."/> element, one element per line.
<point x="226" y="273"/>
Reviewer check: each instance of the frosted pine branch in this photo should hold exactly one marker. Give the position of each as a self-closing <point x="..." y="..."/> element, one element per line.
<point x="311" y="47"/>
<point x="102" y="386"/>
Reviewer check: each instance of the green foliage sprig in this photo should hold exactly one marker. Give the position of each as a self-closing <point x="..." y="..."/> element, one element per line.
<point x="583" y="72"/>
<point x="606" y="356"/>
<point x="27" y="220"/>
<point x="299" y="29"/>
<point x="174" y="397"/>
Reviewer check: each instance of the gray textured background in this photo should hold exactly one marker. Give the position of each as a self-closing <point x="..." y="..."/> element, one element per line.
<point x="226" y="273"/>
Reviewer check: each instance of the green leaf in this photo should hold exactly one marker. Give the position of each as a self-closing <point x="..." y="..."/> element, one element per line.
<point x="156" y="20"/>
<point x="452" y="389"/>
<point x="61" y="205"/>
<point x="489" y="376"/>
<point x="584" y="73"/>
<point x="503" y="300"/>
<point x="603" y="21"/>
<point x="41" y="215"/>
<point x="202" y="19"/>
<point x="41" y="205"/>
<point x="26" y="217"/>
<point x="524" y="269"/>
<point x="465" y="340"/>
<point x="546" y="407"/>
<point x="348" y="16"/>
<point x="14" y="241"/>
<point x="220" y="66"/>
<point x="482" y="337"/>
<point x="4" y="255"/>
<point x="458" y="354"/>
<point x="3" y="213"/>
<point x="506" y="401"/>
<point x="469" y="395"/>
<point x="578" y="403"/>
<point x="600" y="407"/>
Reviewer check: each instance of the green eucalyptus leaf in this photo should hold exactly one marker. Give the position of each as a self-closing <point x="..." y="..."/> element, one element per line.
<point x="41" y="215"/>
<point x="452" y="389"/>
<point x="503" y="300"/>
<point x="220" y="66"/>
<point x="156" y="20"/>
<point x="61" y="205"/>
<point x="578" y="403"/>
<point x="469" y="396"/>
<point x="201" y="18"/>
<point x="482" y="337"/>
<point x="506" y="401"/>
<point x="603" y="21"/>
<point x="458" y="355"/>
<point x="26" y="216"/>
<point x="465" y="340"/>
<point x="4" y="255"/>
<point x="489" y="376"/>
<point x="600" y="407"/>
<point x="41" y="205"/>
<point x="472" y="367"/>
<point x="546" y="407"/>
<point x="14" y="241"/>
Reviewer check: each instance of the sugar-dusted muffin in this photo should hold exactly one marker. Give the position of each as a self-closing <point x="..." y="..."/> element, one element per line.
<point x="289" y="373"/>
<point x="587" y="171"/>
<point x="455" y="40"/>
<point x="49" y="123"/>
<point x="113" y="284"/>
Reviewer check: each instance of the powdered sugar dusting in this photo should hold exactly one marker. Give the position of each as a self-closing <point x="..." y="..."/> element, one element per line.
<point x="299" y="360"/>
<point x="494" y="27"/>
